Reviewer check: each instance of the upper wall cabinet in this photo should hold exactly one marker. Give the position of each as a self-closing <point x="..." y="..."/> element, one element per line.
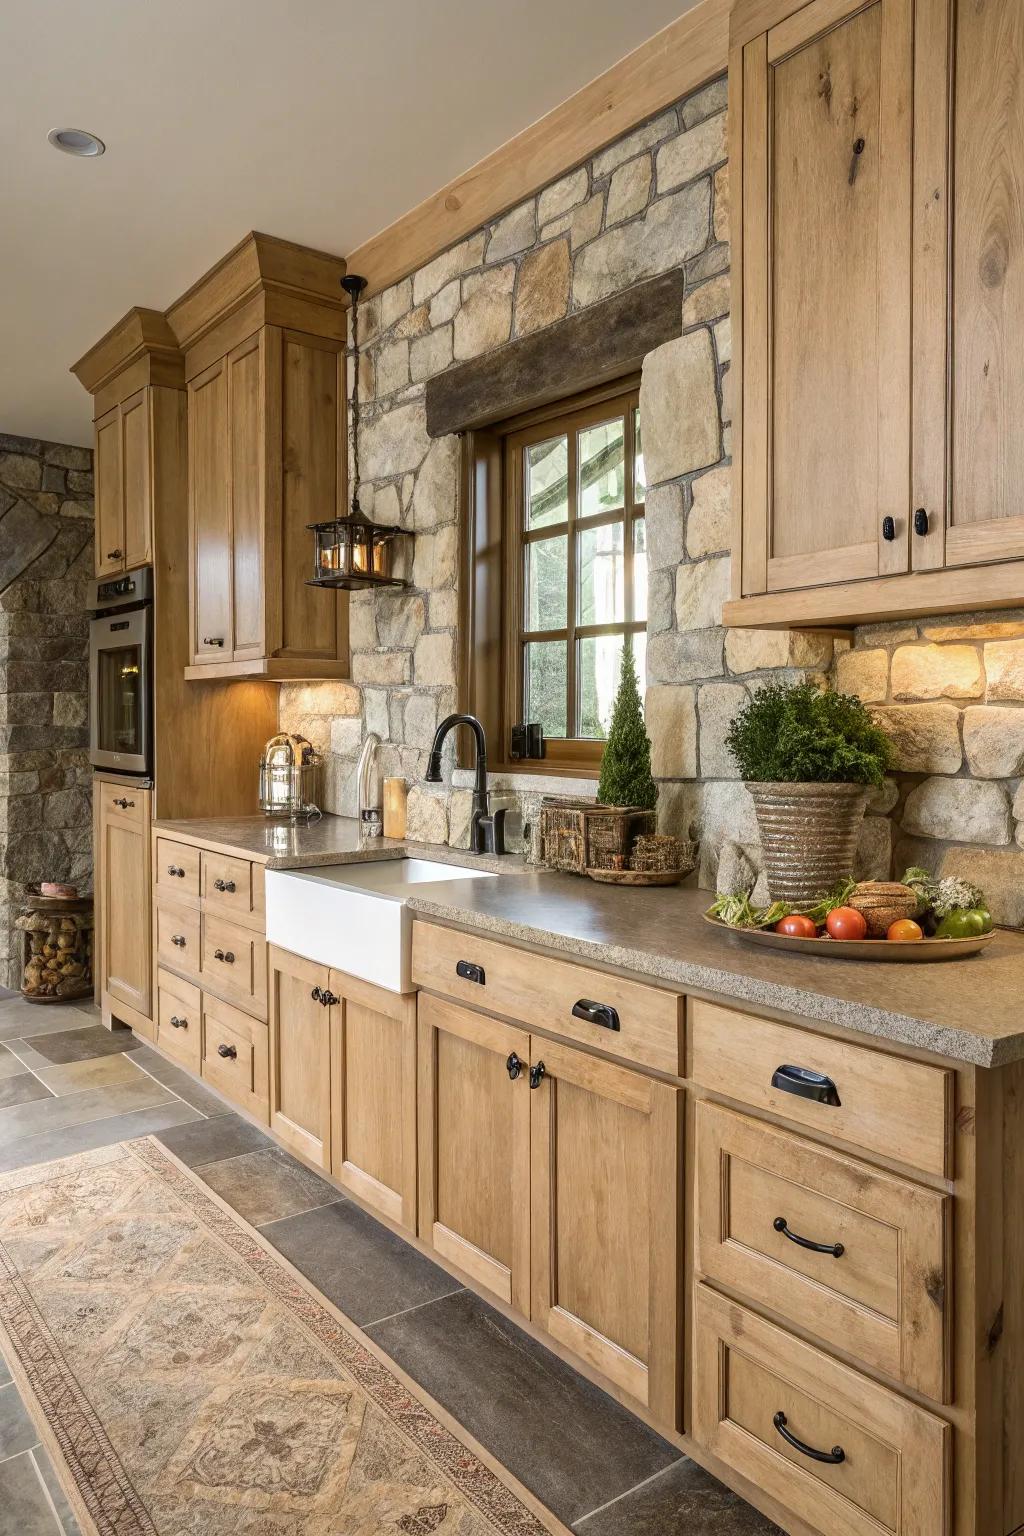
<point x="263" y="336"/>
<point x="878" y="272"/>
<point x="125" y="373"/>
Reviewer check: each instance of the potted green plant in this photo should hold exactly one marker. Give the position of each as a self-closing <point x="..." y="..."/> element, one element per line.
<point x="808" y="757"/>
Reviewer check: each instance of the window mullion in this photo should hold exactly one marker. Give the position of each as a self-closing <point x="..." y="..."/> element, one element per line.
<point x="570" y="595"/>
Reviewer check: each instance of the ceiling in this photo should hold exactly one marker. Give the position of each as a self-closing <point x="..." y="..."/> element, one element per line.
<point x="318" y="120"/>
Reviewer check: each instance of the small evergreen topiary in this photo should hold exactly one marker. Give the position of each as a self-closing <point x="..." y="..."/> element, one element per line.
<point x="626" y="766"/>
<point x="801" y="734"/>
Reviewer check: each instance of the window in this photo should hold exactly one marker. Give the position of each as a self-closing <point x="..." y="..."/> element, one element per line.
<point x="555" y="574"/>
<point x="576" y="558"/>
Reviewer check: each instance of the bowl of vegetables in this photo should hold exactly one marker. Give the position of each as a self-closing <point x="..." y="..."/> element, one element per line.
<point x="918" y="918"/>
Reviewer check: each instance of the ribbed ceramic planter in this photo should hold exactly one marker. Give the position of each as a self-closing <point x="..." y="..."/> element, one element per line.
<point x="808" y="836"/>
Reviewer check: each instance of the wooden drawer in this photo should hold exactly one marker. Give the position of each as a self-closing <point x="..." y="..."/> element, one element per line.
<point x="234" y="962"/>
<point x="880" y="1291"/>
<point x="227" y="883"/>
<point x="752" y="1380"/>
<point x="886" y="1104"/>
<point x="179" y="1020"/>
<point x="125" y="803"/>
<point x="177" y="868"/>
<point x="542" y="993"/>
<point x="236" y="1056"/>
<point x="177" y="938"/>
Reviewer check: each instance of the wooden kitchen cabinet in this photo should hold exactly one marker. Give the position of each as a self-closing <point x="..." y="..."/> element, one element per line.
<point x="263" y="337"/>
<point x="124" y="954"/>
<point x="300" y="1056"/>
<point x="124" y="486"/>
<point x="877" y="287"/>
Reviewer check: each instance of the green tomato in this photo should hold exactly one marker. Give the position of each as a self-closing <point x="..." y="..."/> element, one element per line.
<point x="964" y="923"/>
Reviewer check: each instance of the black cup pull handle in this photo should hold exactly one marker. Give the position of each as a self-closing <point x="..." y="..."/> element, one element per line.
<point x="832" y="1458"/>
<point x="835" y="1249"/>
<point x="596" y="1013"/>
<point x="537" y="1074"/>
<point x="805" y="1083"/>
<point x="470" y="972"/>
<point x="514" y="1066"/>
<point x="228" y="1051"/>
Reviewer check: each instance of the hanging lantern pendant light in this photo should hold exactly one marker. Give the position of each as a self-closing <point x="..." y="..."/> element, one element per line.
<point x="353" y="552"/>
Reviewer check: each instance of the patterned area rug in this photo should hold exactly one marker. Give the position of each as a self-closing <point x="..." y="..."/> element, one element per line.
<point x="187" y="1380"/>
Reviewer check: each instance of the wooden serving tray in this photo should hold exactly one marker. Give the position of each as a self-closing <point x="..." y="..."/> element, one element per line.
<point x="919" y="952"/>
<point x="638" y="876"/>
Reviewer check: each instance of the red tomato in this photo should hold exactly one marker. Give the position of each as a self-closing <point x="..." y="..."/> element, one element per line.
<point x="906" y="931"/>
<point x="846" y="923"/>
<point x="797" y="926"/>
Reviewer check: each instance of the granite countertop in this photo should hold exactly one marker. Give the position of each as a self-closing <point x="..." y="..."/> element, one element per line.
<point x="967" y="1010"/>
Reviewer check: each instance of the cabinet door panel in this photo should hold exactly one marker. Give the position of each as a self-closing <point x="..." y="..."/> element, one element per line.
<point x="606" y="1160"/>
<point x="138" y="501"/>
<point x="209" y="514"/>
<point x="109" y="528"/>
<point x="474" y="1146"/>
<point x="373" y="1096"/>
<point x="245" y="371"/>
<point x="126" y="954"/>
<point x="826" y="300"/>
<point x="311" y="429"/>
<point x="300" y="1057"/>
<point x="986" y="518"/>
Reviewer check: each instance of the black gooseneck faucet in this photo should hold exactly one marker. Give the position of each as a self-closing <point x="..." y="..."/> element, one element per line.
<point x="487" y="831"/>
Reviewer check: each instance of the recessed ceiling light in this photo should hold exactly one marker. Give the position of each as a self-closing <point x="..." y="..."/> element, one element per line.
<point x="76" y="141"/>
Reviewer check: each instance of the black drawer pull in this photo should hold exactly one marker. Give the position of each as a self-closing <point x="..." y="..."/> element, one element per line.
<point x="175" y="869"/>
<point x="470" y="972"/>
<point x="228" y="1051"/>
<point x="225" y="955"/>
<point x="888" y="528"/>
<point x="596" y="1013"/>
<point x="213" y="639"/>
<point x="513" y="1066"/>
<point x="921" y="522"/>
<point x="126" y="805"/>
<point x="807" y="1084"/>
<point x="224" y="885"/>
<point x="177" y="1023"/>
<point x="832" y="1457"/>
<point x="114" y="554"/>
<point x="835" y="1249"/>
<point x="178" y="939"/>
<point x="537" y="1074"/>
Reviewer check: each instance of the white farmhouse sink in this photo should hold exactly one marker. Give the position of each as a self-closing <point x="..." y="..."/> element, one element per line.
<point x="354" y="916"/>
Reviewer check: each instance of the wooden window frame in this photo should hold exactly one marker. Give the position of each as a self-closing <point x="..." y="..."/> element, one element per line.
<point x="492" y="589"/>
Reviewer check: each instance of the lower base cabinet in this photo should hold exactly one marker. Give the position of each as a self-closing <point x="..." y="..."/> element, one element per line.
<point x="235" y="1056"/>
<point x="343" y="1080"/>
<point x="554" y="1179"/>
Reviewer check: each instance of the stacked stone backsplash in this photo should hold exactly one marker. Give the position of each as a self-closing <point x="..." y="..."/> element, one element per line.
<point x="46" y="521"/>
<point x="951" y="690"/>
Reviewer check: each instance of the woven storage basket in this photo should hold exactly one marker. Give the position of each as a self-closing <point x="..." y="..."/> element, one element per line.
<point x="577" y="835"/>
<point x="653" y="854"/>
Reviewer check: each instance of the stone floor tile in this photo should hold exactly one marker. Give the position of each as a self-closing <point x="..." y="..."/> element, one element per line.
<point x="27" y="1511"/>
<point x="179" y="1082"/>
<point x="357" y="1263"/>
<point x="97" y="1072"/>
<point x="17" y="1432"/>
<point x="683" y="1501"/>
<point x="211" y="1141"/>
<point x="264" y="1186"/>
<point x="18" y="1019"/>
<point x="5" y="1374"/>
<point x="82" y="1044"/>
<point x="22" y="1090"/>
<point x="105" y="1132"/>
<point x="10" y="1066"/>
<point x="570" y="1443"/>
<point x="76" y="1108"/>
<point x="68" y="1525"/>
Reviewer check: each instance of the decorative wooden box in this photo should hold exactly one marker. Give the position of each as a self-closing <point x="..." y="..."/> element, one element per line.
<point x="577" y="835"/>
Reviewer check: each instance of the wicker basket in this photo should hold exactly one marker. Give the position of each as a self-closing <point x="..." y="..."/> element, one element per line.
<point x="577" y="835"/>
<point x="653" y="854"/>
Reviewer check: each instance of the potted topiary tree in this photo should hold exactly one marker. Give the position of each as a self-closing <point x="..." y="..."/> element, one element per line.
<point x="808" y="757"/>
<point x="626" y="778"/>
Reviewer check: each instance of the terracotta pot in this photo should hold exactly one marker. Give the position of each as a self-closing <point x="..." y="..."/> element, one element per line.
<point x="808" y="836"/>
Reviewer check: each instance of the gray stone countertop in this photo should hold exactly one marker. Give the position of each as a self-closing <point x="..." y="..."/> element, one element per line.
<point x="966" y="1010"/>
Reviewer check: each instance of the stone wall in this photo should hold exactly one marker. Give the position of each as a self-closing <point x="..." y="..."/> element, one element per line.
<point x="46" y="518"/>
<point x="951" y="691"/>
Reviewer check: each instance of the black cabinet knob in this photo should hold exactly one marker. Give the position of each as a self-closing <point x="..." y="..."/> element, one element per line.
<point x="888" y="529"/>
<point x="921" y="522"/>
<point x="175" y="869"/>
<point x="229" y="1052"/>
<point x="177" y="1023"/>
<point x="178" y="939"/>
<point x="225" y="955"/>
<point x="114" y="554"/>
<point x="224" y="885"/>
<point x="513" y="1066"/>
<point x="537" y="1074"/>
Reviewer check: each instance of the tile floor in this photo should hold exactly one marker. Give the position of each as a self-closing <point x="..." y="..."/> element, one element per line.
<point x="67" y="1084"/>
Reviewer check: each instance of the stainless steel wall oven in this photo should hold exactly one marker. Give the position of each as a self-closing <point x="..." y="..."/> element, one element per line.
<point x="121" y="672"/>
